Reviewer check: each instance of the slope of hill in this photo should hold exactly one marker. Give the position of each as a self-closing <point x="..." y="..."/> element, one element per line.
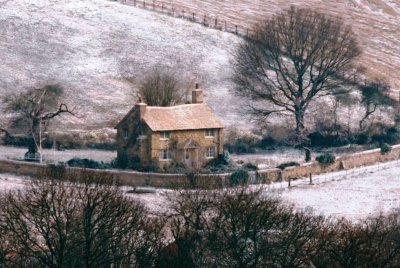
<point x="376" y="22"/>
<point x="90" y="45"/>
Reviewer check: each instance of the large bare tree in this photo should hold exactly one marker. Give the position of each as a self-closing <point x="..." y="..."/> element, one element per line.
<point x="162" y="88"/>
<point x="293" y="58"/>
<point x="33" y="110"/>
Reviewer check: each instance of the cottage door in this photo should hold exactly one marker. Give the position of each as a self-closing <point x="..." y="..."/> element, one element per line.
<point x="189" y="158"/>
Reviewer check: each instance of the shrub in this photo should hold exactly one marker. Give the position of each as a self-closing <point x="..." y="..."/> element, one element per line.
<point x="385" y="148"/>
<point x="240" y="176"/>
<point x="267" y="142"/>
<point x="288" y="164"/>
<point x="88" y="163"/>
<point x="326" y="159"/>
<point x="392" y="135"/>
<point x="250" y="166"/>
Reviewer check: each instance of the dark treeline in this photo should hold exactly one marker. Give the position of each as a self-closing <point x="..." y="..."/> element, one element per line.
<point x="89" y="223"/>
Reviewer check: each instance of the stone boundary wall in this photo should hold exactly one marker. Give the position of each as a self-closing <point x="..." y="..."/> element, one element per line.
<point x="135" y="178"/>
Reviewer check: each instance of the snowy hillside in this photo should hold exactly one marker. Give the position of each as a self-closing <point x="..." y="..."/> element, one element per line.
<point x="90" y="45"/>
<point x="376" y="22"/>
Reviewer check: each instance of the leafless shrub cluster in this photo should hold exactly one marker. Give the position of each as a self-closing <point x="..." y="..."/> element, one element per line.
<point x="69" y="224"/>
<point x="241" y="228"/>
<point x="90" y="224"/>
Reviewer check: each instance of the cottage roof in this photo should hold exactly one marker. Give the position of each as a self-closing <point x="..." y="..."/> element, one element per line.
<point x="181" y="117"/>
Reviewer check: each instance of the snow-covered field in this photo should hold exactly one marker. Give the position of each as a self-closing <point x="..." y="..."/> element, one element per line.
<point x="355" y="194"/>
<point x="90" y="46"/>
<point x="50" y="156"/>
<point x="377" y="23"/>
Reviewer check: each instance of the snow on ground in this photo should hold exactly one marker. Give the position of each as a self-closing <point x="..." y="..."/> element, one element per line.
<point x="89" y="46"/>
<point x="50" y="156"/>
<point x="354" y="194"/>
<point x="376" y="23"/>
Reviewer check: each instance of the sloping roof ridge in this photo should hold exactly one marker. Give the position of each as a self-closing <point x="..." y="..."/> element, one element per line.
<point x="176" y="106"/>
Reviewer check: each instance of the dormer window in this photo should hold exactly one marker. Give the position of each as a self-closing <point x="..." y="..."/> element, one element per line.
<point x="164" y="135"/>
<point x="210" y="133"/>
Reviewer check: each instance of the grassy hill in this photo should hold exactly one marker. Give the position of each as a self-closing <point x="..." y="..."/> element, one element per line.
<point x="376" y="22"/>
<point x="90" y="46"/>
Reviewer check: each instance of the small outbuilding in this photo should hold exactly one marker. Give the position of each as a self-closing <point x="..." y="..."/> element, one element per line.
<point x="190" y="134"/>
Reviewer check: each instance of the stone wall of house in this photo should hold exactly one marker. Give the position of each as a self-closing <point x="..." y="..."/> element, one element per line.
<point x="177" y="138"/>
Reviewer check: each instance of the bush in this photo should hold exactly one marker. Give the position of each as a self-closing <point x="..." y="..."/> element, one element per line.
<point x="240" y="176"/>
<point x="288" y="164"/>
<point x="88" y="163"/>
<point x="242" y="144"/>
<point x="319" y="140"/>
<point x="326" y="159"/>
<point x="385" y="148"/>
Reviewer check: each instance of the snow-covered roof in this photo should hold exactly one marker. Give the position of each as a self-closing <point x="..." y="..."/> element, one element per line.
<point x="181" y="117"/>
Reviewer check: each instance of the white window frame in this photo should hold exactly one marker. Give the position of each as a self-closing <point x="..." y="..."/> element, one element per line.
<point x="165" y="155"/>
<point x="164" y="135"/>
<point x="210" y="133"/>
<point x="210" y="152"/>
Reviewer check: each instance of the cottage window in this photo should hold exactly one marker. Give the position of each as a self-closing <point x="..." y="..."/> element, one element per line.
<point x="210" y="133"/>
<point x="165" y="154"/>
<point x="164" y="135"/>
<point x="210" y="152"/>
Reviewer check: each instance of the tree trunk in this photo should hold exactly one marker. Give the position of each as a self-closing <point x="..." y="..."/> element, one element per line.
<point x="301" y="139"/>
<point x="33" y="138"/>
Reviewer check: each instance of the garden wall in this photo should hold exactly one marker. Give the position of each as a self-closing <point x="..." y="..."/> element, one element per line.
<point x="134" y="178"/>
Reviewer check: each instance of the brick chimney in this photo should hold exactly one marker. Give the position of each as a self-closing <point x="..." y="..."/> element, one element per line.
<point x="141" y="108"/>
<point x="197" y="95"/>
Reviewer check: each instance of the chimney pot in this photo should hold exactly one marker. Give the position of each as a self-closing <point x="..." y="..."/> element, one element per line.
<point x="197" y="95"/>
<point x="141" y="108"/>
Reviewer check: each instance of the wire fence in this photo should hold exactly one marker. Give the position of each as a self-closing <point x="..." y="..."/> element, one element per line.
<point x="206" y="20"/>
<point x="334" y="176"/>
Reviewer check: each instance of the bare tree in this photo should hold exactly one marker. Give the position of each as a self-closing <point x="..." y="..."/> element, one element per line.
<point x="83" y="223"/>
<point x="292" y="59"/>
<point x="33" y="110"/>
<point x="374" y="94"/>
<point x="162" y="88"/>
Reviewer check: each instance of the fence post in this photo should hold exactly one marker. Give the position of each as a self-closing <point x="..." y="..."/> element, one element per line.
<point x="144" y="3"/>
<point x="289" y="181"/>
<point x="204" y="20"/>
<point x="236" y="29"/>
<point x="225" y="25"/>
<point x="183" y="13"/>
<point x="193" y="17"/>
<point x="247" y="32"/>
<point x="173" y="12"/>
<point x="216" y="22"/>
<point x="310" y="179"/>
<point x="162" y="7"/>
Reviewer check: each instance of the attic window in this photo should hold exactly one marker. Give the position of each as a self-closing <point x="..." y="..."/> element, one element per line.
<point x="165" y="154"/>
<point x="164" y="135"/>
<point x="210" y="133"/>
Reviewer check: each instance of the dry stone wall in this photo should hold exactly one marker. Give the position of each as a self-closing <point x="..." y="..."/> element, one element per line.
<point x="134" y="178"/>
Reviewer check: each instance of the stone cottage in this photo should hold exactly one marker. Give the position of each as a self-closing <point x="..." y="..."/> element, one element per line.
<point x="190" y="134"/>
